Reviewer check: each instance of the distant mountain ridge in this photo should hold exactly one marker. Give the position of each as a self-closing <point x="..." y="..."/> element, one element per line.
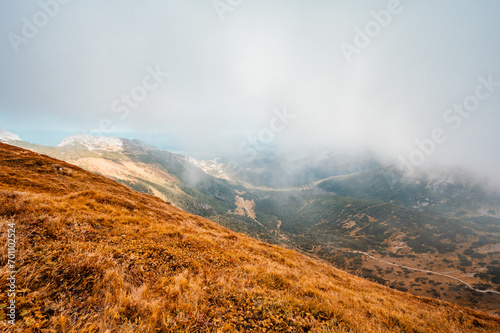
<point x="94" y="142"/>
<point x="450" y="193"/>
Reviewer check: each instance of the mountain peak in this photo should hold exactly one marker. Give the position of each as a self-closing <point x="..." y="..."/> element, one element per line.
<point x="8" y="136"/>
<point x="94" y="142"/>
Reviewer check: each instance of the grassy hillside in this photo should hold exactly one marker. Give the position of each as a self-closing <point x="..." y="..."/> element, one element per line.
<point x="95" y="256"/>
<point x="149" y="170"/>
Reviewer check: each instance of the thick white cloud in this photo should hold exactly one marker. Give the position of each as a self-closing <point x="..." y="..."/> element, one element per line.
<point x="226" y="77"/>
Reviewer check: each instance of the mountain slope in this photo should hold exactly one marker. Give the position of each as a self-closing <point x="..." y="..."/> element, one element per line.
<point x="449" y="193"/>
<point x="94" y="256"/>
<point x="146" y="169"/>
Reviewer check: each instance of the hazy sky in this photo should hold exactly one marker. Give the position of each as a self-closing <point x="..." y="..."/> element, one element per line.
<point x="70" y="67"/>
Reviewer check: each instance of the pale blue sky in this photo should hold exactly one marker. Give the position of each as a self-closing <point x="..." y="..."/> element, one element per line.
<point x="226" y="77"/>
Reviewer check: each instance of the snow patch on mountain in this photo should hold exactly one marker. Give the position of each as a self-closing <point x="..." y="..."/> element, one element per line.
<point x="8" y="136"/>
<point x="212" y="167"/>
<point x="94" y="142"/>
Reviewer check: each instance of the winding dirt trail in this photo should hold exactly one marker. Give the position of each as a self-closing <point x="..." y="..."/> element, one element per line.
<point x="427" y="271"/>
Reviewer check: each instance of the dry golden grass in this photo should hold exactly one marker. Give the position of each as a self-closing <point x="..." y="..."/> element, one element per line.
<point x="94" y="256"/>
